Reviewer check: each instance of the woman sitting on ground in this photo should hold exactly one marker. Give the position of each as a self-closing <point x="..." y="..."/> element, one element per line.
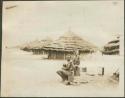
<point x="67" y="71"/>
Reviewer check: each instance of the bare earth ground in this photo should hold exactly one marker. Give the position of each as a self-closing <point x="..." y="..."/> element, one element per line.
<point x="24" y="74"/>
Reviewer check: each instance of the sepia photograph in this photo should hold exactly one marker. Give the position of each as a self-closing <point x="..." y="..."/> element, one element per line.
<point x="62" y="48"/>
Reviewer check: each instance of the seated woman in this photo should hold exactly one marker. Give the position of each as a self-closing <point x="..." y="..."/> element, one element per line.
<point x="67" y="71"/>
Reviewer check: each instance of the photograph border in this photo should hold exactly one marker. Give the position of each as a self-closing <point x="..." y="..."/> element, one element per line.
<point x="1" y="6"/>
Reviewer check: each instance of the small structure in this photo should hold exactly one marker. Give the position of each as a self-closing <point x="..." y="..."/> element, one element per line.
<point x="67" y="44"/>
<point x="84" y="69"/>
<point x="112" y="47"/>
<point x="101" y="71"/>
<point x="25" y="47"/>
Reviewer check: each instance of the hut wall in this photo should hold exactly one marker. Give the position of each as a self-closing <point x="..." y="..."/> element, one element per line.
<point x="35" y="51"/>
<point x="58" y="54"/>
<point x="39" y="51"/>
<point x="53" y="54"/>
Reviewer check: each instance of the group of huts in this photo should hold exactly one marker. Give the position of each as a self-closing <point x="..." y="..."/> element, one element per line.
<point x="67" y="44"/>
<point x="36" y="46"/>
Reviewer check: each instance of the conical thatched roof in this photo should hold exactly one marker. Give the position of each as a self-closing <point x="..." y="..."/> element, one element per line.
<point x="112" y="43"/>
<point x="70" y="41"/>
<point x="37" y="44"/>
<point x="112" y="47"/>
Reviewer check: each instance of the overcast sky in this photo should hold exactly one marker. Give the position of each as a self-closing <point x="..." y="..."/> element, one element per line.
<point x="95" y="21"/>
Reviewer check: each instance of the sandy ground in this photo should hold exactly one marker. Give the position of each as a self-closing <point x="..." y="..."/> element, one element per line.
<point x="24" y="74"/>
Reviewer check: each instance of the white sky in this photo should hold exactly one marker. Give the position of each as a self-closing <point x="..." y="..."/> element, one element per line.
<point x="95" y="21"/>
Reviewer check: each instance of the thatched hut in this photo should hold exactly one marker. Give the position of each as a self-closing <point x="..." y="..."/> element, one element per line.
<point x="25" y="47"/>
<point x="112" y="47"/>
<point x="66" y="44"/>
<point x="36" y="46"/>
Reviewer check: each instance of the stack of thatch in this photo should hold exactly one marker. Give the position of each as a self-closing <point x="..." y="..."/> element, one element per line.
<point x="112" y="47"/>
<point x="67" y="44"/>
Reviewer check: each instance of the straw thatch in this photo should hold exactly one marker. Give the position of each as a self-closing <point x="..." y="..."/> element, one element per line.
<point x="66" y="44"/>
<point x="112" y="47"/>
<point x="36" y="46"/>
